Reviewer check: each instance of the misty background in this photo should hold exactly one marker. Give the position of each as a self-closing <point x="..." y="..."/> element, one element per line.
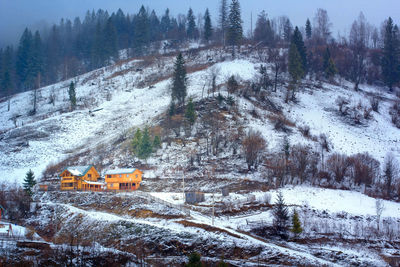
<point x="15" y="15"/>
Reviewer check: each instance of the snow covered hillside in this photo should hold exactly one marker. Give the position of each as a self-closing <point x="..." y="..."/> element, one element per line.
<point x="124" y="100"/>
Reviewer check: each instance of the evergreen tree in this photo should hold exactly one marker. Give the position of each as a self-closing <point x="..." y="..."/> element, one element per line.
<point x="154" y="27"/>
<point x="137" y="139"/>
<point x="145" y="147"/>
<point x="235" y="29"/>
<point x="281" y="217"/>
<point x="329" y="65"/>
<point x="165" y="24"/>
<point x="179" y="82"/>
<point x="110" y="45"/>
<point x="190" y="113"/>
<point x="296" y="225"/>
<point x="72" y="95"/>
<point x="142" y="33"/>
<point x="194" y="260"/>
<point x="191" y="25"/>
<point x="263" y="31"/>
<point x="295" y="65"/>
<point x="156" y="142"/>
<point x="36" y="63"/>
<point x="287" y="30"/>
<point x="24" y="57"/>
<point x="232" y="85"/>
<point x="391" y="55"/>
<point x="208" y="31"/>
<point x="223" y="19"/>
<point x="308" y="29"/>
<point x="297" y="39"/>
<point x="6" y="73"/>
<point x="29" y="182"/>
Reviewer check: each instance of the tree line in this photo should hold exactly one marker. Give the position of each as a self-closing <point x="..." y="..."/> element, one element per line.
<point x="367" y="54"/>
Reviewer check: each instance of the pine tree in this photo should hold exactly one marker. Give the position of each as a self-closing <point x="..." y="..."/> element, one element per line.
<point x="297" y="39"/>
<point x="165" y="24"/>
<point x="36" y="62"/>
<point x="295" y="65"/>
<point x="142" y="33"/>
<point x="6" y="73"/>
<point x="194" y="260"/>
<point x="263" y="31"/>
<point x="156" y="142"/>
<point x="145" y="147"/>
<point x="191" y="25"/>
<point x="190" y="113"/>
<point x="208" y="31"/>
<point x="24" y="56"/>
<point x="391" y="55"/>
<point x="232" y="85"/>
<point x="110" y="41"/>
<point x="296" y="225"/>
<point x="179" y="82"/>
<point x="235" y="29"/>
<point x="154" y="27"/>
<point x="29" y="182"/>
<point x="281" y="217"/>
<point x="223" y="19"/>
<point x="72" y="95"/>
<point x="308" y="29"/>
<point x="328" y="65"/>
<point x="137" y="139"/>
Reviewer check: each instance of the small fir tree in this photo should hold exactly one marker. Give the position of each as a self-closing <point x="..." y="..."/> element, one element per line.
<point x="391" y="55"/>
<point x="194" y="260"/>
<point x="235" y="29"/>
<point x="297" y="39"/>
<point x="191" y="25"/>
<point x="328" y="65"/>
<point x="308" y="29"/>
<point x="281" y="217"/>
<point x="156" y="142"/>
<point x="207" y="26"/>
<point x="190" y="113"/>
<point x="295" y="66"/>
<point x="296" y="225"/>
<point x="29" y="182"/>
<point x="179" y="82"/>
<point x="232" y="85"/>
<point x="72" y="95"/>
<point x="137" y="139"/>
<point x="145" y="147"/>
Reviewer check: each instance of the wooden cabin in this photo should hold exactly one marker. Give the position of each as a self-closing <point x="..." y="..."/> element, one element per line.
<point x="123" y="179"/>
<point x="83" y="178"/>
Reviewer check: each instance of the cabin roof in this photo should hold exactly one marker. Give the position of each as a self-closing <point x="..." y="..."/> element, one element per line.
<point x="78" y="170"/>
<point x="121" y="171"/>
<point x="94" y="183"/>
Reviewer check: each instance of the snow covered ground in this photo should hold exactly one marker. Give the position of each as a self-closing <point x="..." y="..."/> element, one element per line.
<point x="54" y="134"/>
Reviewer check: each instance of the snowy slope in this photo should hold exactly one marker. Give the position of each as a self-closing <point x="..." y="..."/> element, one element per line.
<point x="54" y="133"/>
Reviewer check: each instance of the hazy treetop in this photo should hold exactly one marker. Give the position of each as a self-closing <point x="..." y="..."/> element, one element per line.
<point x="15" y="15"/>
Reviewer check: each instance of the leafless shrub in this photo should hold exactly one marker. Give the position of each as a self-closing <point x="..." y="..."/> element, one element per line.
<point x="342" y="105"/>
<point x="303" y="162"/>
<point x="364" y="169"/>
<point x="254" y="145"/>
<point x="374" y="101"/>
<point x="338" y="165"/>
<point x="305" y="130"/>
<point x="367" y="113"/>
<point x="281" y="123"/>
<point x="395" y="114"/>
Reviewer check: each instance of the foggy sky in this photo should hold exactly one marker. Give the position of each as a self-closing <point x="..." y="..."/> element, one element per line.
<point x="15" y="15"/>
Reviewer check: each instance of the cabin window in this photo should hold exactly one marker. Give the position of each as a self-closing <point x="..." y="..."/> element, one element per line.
<point x="120" y="175"/>
<point x="127" y="175"/>
<point x="111" y="185"/>
<point x="108" y="176"/>
<point x="136" y="176"/>
<point x="89" y="175"/>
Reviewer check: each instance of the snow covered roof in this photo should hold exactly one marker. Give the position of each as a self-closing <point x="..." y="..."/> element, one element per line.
<point x="120" y="171"/>
<point x="94" y="183"/>
<point x="78" y="170"/>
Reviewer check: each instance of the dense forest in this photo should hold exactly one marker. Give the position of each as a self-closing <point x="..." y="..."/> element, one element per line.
<point x="368" y="54"/>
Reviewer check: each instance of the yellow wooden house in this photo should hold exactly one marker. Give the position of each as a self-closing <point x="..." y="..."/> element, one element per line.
<point x="84" y="178"/>
<point x="123" y="179"/>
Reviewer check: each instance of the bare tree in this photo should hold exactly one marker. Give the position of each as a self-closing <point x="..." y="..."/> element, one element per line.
<point x="379" y="207"/>
<point x="253" y="145"/>
<point x="358" y="41"/>
<point x="390" y="171"/>
<point x="338" y="165"/>
<point x="322" y="26"/>
<point x="278" y="61"/>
